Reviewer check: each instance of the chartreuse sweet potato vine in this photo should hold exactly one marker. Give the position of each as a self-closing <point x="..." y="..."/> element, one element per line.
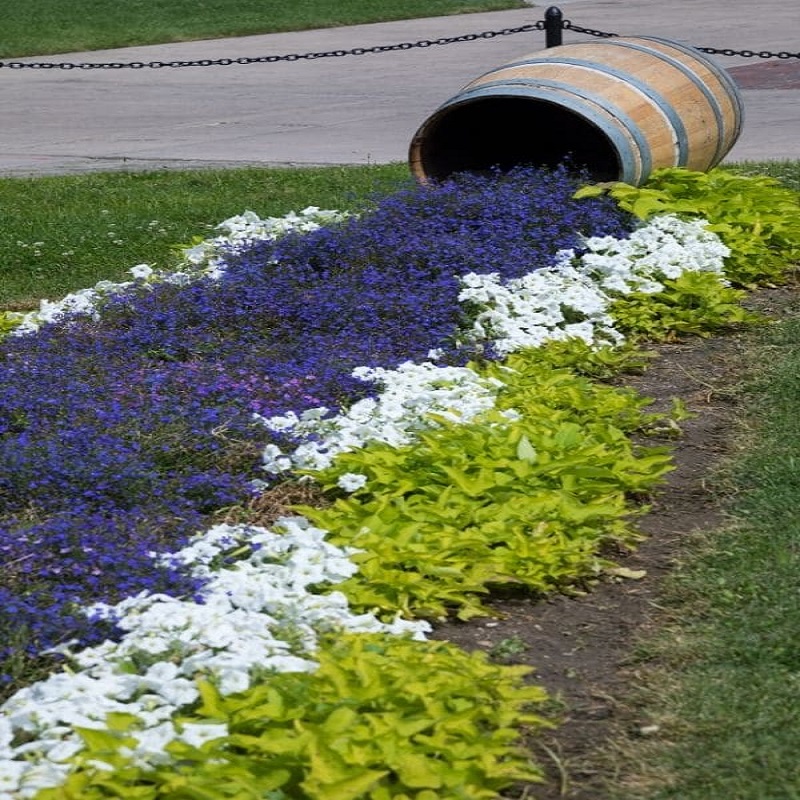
<point x="382" y="718"/>
<point x="525" y="495"/>
<point x="695" y="303"/>
<point x="7" y="323"/>
<point x="756" y="217"/>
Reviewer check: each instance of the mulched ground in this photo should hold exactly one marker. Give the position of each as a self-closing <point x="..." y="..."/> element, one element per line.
<point x="580" y="645"/>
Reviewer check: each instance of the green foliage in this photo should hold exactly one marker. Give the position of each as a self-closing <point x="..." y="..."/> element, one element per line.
<point x="516" y="499"/>
<point x="695" y="303"/>
<point x="723" y="678"/>
<point x="541" y="386"/>
<point x="756" y="217"/>
<point x="382" y="718"/>
<point x="52" y="26"/>
<point x="584" y="359"/>
<point x="508" y="648"/>
<point x="8" y="322"/>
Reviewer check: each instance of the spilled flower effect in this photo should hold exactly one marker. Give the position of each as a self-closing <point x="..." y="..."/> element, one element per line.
<point x="570" y="299"/>
<point x="347" y="331"/>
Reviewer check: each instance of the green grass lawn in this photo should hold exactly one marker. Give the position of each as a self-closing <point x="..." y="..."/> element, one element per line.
<point x="722" y="687"/>
<point x="63" y="233"/>
<point x="60" y="234"/>
<point x="37" y="27"/>
<point x="720" y="677"/>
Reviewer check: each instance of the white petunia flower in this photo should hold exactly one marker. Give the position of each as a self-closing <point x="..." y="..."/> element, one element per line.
<point x="202" y="260"/>
<point x="351" y="482"/>
<point x="259" y="615"/>
<point x="141" y="271"/>
<point x="663" y="249"/>
<point x="196" y="734"/>
<point x="539" y="307"/>
<point x="571" y="299"/>
<point x="413" y="396"/>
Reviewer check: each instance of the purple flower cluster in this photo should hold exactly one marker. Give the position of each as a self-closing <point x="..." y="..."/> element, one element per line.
<point x="119" y="437"/>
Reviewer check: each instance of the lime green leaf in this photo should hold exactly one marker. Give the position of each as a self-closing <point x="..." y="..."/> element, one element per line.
<point x="418" y="772"/>
<point x="347" y="788"/>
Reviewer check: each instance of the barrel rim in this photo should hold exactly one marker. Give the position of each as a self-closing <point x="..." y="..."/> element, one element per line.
<point x="632" y="164"/>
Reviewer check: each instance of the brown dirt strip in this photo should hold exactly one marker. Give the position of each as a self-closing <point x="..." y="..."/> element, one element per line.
<point x="581" y="646"/>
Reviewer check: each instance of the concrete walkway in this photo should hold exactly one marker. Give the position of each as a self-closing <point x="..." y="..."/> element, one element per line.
<point x="355" y="109"/>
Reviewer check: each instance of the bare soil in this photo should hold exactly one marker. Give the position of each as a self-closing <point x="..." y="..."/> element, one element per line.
<point x="581" y="646"/>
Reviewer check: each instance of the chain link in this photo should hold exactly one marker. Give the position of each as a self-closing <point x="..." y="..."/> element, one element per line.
<point x="360" y="51"/>
<point x="748" y="53"/>
<point x="567" y="25"/>
<point x="224" y="62"/>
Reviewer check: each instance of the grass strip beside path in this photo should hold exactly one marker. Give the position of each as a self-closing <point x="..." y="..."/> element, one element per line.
<point x="37" y="27"/>
<point x="723" y="701"/>
<point x="61" y="234"/>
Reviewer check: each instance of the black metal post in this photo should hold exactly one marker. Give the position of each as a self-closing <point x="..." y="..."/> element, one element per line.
<point x="553" y="25"/>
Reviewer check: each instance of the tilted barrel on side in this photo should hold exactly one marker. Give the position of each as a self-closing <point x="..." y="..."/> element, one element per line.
<point x="619" y="107"/>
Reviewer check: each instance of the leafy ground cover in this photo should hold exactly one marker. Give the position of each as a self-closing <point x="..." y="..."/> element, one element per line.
<point x="47" y="26"/>
<point x="164" y="341"/>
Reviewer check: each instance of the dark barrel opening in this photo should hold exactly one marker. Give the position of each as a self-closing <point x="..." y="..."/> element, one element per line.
<point x="506" y="131"/>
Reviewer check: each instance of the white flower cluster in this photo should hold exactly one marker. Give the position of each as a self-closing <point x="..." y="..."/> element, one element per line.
<point x="82" y="302"/>
<point x="558" y="302"/>
<point x="572" y="298"/>
<point x="663" y="249"/>
<point x="245" y="229"/>
<point x="413" y="396"/>
<point x="258" y="615"/>
<point x="203" y="260"/>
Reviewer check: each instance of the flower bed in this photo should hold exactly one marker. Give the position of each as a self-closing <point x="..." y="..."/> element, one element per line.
<point x="418" y="365"/>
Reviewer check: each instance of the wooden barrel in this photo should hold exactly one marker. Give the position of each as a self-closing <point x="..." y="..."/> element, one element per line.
<point x="619" y="107"/>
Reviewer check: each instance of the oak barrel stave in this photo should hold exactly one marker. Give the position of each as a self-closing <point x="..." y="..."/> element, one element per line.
<point x="620" y="108"/>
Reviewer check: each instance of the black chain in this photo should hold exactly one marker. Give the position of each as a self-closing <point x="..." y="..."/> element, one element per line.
<point x="224" y="62"/>
<point x="748" y="53"/>
<point x="567" y="25"/>
<point x="360" y="51"/>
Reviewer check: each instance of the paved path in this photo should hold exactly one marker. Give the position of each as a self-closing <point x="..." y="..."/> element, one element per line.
<point x="356" y="109"/>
